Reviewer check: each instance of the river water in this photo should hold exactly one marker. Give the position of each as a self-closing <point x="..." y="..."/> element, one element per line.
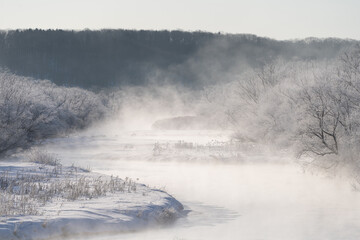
<point x="260" y="198"/>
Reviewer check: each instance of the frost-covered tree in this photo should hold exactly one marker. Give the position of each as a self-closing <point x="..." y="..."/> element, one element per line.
<point x="31" y="110"/>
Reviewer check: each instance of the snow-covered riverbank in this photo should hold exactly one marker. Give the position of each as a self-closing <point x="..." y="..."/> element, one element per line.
<point x="261" y="197"/>
<point x="73" y="201"/>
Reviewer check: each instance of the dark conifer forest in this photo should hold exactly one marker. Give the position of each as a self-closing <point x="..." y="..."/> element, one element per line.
<point x="108" y="58"/>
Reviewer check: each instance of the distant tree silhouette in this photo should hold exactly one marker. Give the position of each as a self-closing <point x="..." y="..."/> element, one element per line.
<point x="109" y="58"/>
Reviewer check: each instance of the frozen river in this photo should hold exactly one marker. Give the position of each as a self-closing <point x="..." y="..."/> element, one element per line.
<point x="259" y="199"/>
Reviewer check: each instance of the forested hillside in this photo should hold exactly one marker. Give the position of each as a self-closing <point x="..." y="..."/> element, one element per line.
<point x="107" y="58"/>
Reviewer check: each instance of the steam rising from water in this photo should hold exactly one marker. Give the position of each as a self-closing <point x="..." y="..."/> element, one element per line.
<point x="227" y="201"/>
<point x="259" y="199"/>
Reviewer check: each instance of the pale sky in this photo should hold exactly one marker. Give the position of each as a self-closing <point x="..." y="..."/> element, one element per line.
<point x="279" y="19"/>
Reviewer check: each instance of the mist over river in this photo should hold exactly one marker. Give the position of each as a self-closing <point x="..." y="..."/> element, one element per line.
<point x="260" y="197"/>
<point x="159" y="120"/>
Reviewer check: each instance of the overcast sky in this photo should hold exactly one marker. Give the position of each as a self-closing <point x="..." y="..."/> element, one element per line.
<point x="280" y="19"/>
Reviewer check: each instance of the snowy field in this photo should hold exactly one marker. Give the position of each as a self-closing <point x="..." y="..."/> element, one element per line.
<point x="42" y="201"/>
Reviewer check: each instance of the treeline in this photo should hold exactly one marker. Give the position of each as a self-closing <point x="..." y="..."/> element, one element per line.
<point x="33" y="110"/>
<point x="312" y="107"/>
<point x="107" y="58"/>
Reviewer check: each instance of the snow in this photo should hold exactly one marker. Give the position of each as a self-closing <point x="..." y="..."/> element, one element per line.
<point x="133" y="208"/>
